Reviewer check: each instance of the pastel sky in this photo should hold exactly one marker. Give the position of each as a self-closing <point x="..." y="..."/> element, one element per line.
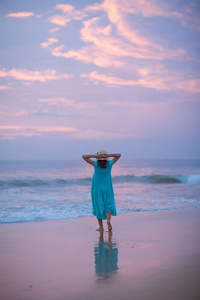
<point x="76" y="76"/>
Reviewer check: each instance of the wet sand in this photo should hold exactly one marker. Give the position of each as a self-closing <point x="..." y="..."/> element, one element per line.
<point x="148" y="256"/>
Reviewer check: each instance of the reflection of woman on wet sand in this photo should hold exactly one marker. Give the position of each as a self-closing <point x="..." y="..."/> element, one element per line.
<point x="103" y="200"/>
<point x="106" y="256"/>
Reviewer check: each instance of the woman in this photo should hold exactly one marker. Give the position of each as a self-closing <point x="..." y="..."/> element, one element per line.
<point x="103" y="200"/>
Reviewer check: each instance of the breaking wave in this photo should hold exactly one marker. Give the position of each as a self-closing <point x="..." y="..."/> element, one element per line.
<point x="148" y="179"/>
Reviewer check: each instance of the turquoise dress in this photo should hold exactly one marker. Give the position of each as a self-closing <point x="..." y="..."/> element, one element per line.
<point x="103" y="199"/>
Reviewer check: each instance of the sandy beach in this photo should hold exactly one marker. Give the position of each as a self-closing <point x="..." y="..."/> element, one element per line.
<point x="148" y="256"/>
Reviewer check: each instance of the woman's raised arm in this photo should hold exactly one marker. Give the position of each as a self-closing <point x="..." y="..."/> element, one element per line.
<point x="88" y="160"/>
<point x="88" y="157"/>
<point x="115" y="155"/>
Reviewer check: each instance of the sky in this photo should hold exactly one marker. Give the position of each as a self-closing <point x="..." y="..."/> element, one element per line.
<point x="77" y="76"/>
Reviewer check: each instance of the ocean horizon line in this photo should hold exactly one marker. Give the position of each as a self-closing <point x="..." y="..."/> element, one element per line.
<point x="122" y="159"/>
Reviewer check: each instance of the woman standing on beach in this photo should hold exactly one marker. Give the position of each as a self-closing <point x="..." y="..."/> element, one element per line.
<point x="103" y="200"/>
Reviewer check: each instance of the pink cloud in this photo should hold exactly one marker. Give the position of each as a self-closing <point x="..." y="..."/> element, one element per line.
<point x="14" y="131"/>
<point x="59" y="20"/>
<point x="64" y="7"/>
<point x="58" y="101"/>
<point x="111" y="45"/>
<point x="68" y="13"/>
<point x="13" y="114"/>
<point x="55" y="129"/>
<point x="44" y="14"/>
<point x="90" y="134"/>
<point x="65" y="103"/>
<point x="23" y="14"/>
<point x="146" y="8"/>
<point x="79" y="55"/>
<point x="192" y="86"/>
<point x="105" y="50"/>
<point x="25" y="75"/>
<point x="156" y="77"/>
<point x="39" y="128"/>
<point x="110" y="80"/>
<point x="16" y="134"/>
<point x="49" y="42"/>
<point x="54" y="29"/>
<point x="4" y="87"/>
<point x="117" y="12"/>
<point x="153" y="82"/>
<point x="89" y="55"/>
<point x="94" y="7"/>
<point x="114" y="44"/>
<point x="11" y="127"/>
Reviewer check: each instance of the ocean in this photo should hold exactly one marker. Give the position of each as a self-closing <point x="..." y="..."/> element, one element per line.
<point x="53" y="190"/>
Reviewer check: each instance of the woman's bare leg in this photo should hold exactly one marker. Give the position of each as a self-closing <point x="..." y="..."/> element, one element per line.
<point x="108" y="216"/>
<point x="100" y="225"/>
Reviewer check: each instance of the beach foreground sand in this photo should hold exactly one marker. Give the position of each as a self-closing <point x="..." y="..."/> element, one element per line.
<point x="148" y="256"/>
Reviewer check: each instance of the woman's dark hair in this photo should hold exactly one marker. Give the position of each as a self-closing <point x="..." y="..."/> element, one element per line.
<point x="102" y="163"/>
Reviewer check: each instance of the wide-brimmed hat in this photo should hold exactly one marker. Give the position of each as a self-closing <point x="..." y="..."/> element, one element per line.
<point x="101" y="151"/>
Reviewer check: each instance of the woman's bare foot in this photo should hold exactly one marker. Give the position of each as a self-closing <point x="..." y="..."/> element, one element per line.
<point x="100" y="229"/>
<point x="109" y="226"/>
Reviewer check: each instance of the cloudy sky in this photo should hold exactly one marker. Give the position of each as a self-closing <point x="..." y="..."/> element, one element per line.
<point x="76" y="76"/>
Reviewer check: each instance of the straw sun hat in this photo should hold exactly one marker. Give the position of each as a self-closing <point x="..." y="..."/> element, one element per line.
<point x="101" y="151"/>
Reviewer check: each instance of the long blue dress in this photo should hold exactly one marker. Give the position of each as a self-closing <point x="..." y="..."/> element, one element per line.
<point x="103" y="199"/>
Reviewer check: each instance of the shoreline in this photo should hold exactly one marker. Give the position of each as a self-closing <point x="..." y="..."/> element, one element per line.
<point x="88" y="217"/>
<point x="153" y="255"/>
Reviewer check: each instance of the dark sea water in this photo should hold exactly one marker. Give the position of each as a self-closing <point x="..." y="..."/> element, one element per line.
<point x="50" y="190"/>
